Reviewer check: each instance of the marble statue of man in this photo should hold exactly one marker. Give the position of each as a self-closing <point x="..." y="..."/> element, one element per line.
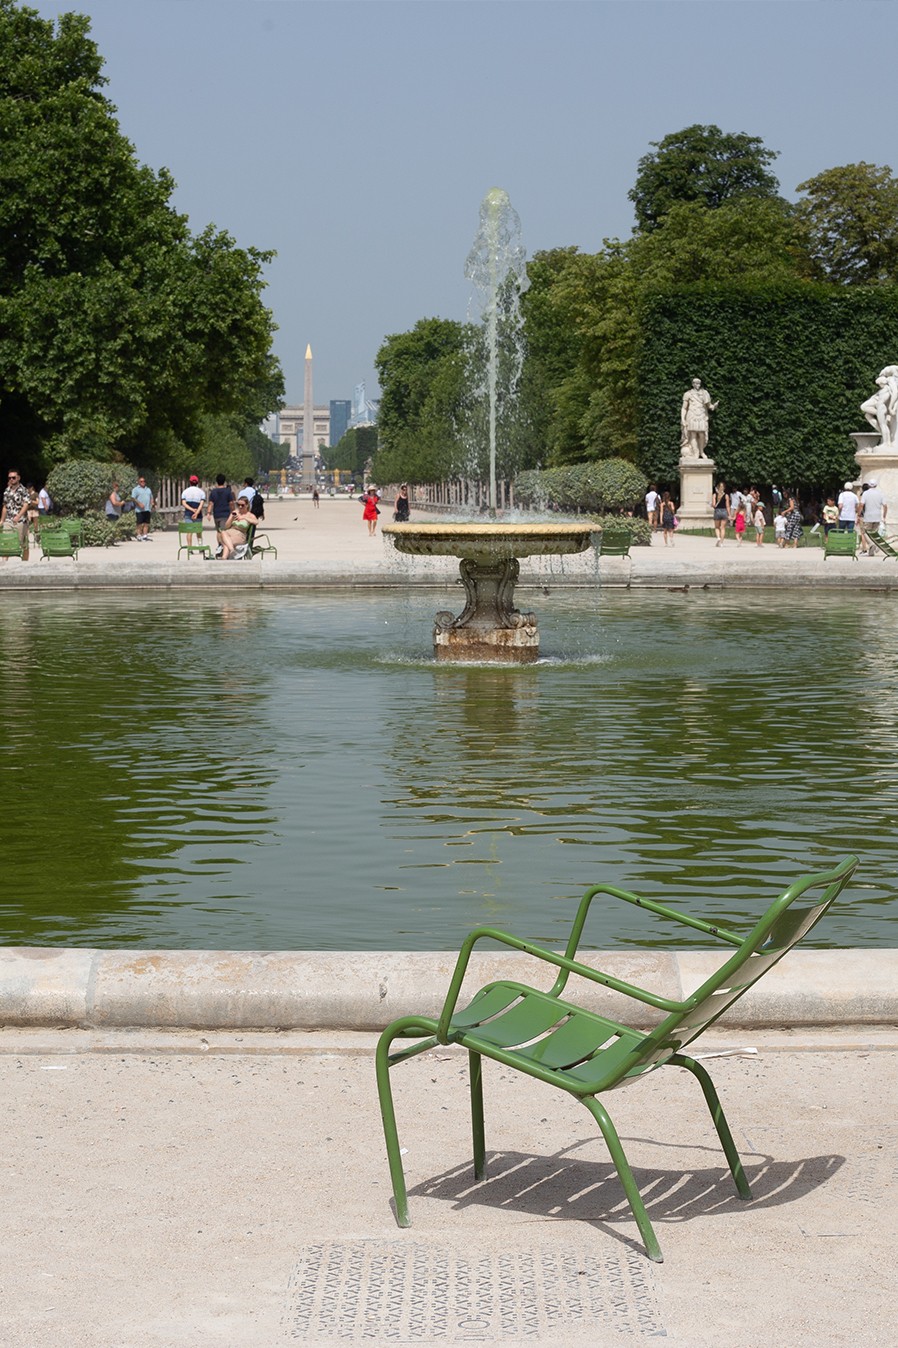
<point x="694" y="421"/>
<point x="881" y="410"/>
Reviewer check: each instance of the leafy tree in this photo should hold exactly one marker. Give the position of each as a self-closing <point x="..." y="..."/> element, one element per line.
<point x="422" y="376"/>
<point x="119" y="329"/>
<point x="703" y="164"/>
<point x="849" y="218"/>
<point x="352" y="452"/>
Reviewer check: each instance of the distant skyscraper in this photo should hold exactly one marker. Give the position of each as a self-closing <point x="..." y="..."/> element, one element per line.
<point x="341" y="409"/>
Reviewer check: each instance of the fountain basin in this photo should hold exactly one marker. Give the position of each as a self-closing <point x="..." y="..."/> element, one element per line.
<point x="489" y="627"/>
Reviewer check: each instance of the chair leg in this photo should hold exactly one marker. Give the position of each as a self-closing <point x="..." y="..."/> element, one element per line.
<point x="719" y="1118"/>
<point x="622" y="1165"/>
<point x="391" y="1136"/>
<point x="475" y="1064"/>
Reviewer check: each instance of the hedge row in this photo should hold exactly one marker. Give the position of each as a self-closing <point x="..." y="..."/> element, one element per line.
<point x="790" y="364"/>
<point x="603" y="486"/>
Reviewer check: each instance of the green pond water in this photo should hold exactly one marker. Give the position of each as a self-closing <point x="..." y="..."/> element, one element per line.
<point x="292" y="771"/>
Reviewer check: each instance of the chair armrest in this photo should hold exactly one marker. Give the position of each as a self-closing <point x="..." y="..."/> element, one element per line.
<point x="651" y="905"/>
<point x="550" y="957"/>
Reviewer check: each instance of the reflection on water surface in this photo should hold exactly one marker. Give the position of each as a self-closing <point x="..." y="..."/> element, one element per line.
<point x="292" y="771"/>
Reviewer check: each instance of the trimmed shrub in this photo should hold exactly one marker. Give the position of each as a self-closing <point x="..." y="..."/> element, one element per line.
<point x="600" y="487"/>
<point x="641" y="530"/>
<point x="83" y="484"/>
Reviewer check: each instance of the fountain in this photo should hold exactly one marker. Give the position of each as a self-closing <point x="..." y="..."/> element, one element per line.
<point x="490" y="627"/>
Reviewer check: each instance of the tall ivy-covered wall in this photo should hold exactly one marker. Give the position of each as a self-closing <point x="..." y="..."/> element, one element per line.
<point x="790" y="365"/>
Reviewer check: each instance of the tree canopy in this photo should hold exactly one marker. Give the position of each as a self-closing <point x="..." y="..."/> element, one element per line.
<point x="119" y="328"/>
<point x="703" y="164"/>
<point x="849" y="219"/>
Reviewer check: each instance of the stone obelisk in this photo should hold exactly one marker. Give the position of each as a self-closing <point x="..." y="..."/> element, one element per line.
<point x="307" y="459"/>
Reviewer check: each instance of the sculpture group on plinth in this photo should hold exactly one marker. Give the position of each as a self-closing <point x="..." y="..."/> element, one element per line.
<point x="876" y="450"/>
<point x="881" y="410"/>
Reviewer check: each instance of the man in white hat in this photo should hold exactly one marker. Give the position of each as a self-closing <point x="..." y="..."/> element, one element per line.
<point x="848" y="503"/>
<point x="872" y="513"/>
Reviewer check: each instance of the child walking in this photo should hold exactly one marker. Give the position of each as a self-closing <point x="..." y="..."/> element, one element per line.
<point x="668" y="518"/>
<point x="759" y="523"/>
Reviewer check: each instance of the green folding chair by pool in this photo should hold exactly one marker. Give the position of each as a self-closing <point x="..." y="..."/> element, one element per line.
<point x="838" y="544"/>
<point x="885" y="546"/>
<point x="190" y="540"/>
<point x="10" y="543"/>
<point x="615" y="543"/>
<point x="58" y="543"/>
<point x="586" y="1054"/>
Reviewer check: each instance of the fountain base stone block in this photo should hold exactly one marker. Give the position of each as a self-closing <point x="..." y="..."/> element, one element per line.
<point x="498" y="645"/>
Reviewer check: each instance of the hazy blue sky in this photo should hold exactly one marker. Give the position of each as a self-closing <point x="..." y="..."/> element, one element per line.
<point x="358" y="138"/>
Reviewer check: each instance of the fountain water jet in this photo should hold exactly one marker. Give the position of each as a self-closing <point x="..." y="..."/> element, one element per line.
<point x="490" y="627"/>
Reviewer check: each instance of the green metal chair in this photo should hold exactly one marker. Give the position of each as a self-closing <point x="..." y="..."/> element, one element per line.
<point x="260" y="545"/>
<point x="10" y="543"/>
<point x="74" y="528"/>
<point x="586" y="1054"/>
<point x="257" y="545"/>
<point x="190" y="539"/>
<point x="58" y="543"/>
<point x="884" y="545"/>
<point x="615" y="543"/>
<point x="838" y="544"/>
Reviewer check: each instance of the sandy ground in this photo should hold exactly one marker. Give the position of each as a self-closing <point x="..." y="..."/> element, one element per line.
<point x="231" y="1191"/>
<point x="333" y="542"/>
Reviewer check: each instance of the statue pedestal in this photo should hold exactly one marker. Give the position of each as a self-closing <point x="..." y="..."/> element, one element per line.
<point x="879" y="461"/>
<point x="696" y="488"/>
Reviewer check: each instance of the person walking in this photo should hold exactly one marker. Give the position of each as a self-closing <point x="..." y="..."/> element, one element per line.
<point x="652" y="502"/>
<point x="316" y="499"/>
<point x="401" y="505"/>
<point x="668" y="512"/>
<point x="371" y="512"/>
<point x="848" y="503"/>
<point x="873" y="512"/>
<point x="721" y="504"/>
<point x="14" y="511"/>
<point x="760" y="522"/>
<point x="794" y="530"/>
<point x="221" y="504"/>
<point x="142" y="497"/>
<point x="739" y="520"/>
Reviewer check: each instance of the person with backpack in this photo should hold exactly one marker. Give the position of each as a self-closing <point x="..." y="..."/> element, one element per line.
<point x="252" y="497"/>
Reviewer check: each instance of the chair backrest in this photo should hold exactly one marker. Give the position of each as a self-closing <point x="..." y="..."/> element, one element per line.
<point x="615" y="542"/>
<point x="10" y="545"/>
<point x="840" y="544"/>
<point x="57" y="544"/>
<point x="781" y="927"/>
<point x="189" y="531"/>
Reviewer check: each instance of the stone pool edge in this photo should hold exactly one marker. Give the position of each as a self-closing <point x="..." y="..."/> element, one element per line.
<point x="48" y="987"/>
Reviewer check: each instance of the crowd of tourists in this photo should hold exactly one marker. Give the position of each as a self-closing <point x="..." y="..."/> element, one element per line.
<point x="743" y="512"/>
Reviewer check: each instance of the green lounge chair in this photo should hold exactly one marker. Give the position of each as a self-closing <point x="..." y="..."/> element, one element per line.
<point x="838" y="544"/>
<point x="585" y="1054"/>
<point x="58" y="543"/>
<point x="885" y="546"/>
<point x="190" y="539"/>
<point x="615" y="543"/>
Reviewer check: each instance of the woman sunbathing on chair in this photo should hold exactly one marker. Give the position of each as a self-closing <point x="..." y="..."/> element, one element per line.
<point x="237" y="528"/>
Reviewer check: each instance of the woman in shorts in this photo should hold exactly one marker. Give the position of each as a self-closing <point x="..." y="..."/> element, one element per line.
<point x="721" y="503"/>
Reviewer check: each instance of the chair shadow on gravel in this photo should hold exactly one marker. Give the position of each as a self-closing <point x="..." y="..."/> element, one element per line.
<point x="565" y="1186"/>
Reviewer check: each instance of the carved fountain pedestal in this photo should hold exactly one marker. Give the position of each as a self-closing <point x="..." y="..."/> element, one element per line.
<point x="489" y="626"/>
